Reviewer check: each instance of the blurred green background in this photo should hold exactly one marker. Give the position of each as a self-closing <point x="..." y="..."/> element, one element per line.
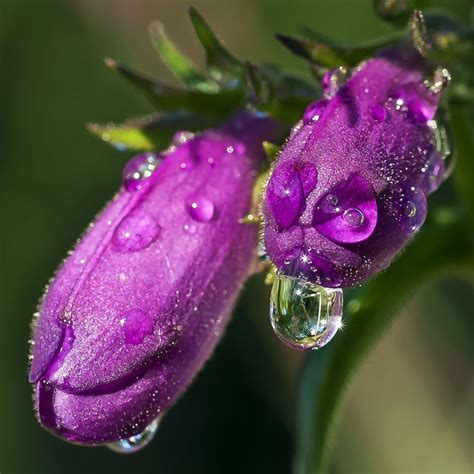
<point x="408" y="410"/>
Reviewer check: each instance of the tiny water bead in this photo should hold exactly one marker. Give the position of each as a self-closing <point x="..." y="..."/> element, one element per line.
<point x="136" y="325"/>
<point x="332" y="80"/>
<point x="314" y="111"/>
<point x="138" y="170"/>
<point x="433" y="173"/>
<point x="201" y="209"/>
<point x="137" y="442"/>
<point x="353" y="217"/>
<point x="303" y="315"/>
<point x="332" y="199"/>
<point x="182" y="137"/>
<point x="135" y="232"/>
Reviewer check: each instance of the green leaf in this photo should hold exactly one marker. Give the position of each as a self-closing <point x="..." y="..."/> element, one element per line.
<point x="167" y="98"/>
<point x="153" y="132"/>
<point x="222" y="65"/>
<point x="325" y="52"/>
<point x="271" y="150"/>
<point x="461" y="125"/>
<point x="179" y="64"/>
<point x="327" y="372"/>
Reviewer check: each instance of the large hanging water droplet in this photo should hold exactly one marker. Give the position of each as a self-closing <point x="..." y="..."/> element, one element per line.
<point x="135" y="443"/>
<point x="353" y="217"/>
<point x="135" y="232"/>
<point x="304" y="316"/>
<point x="201" y="209"/>
<point x="138" y="170"/>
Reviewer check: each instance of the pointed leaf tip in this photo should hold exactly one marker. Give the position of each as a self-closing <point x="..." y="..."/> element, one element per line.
<point x="222" y="65"/>
<point x="178" y="63"/>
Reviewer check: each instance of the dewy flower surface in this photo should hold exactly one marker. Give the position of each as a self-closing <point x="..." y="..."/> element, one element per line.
<point x="349" y="189"/>
<point x="138" y="306"/>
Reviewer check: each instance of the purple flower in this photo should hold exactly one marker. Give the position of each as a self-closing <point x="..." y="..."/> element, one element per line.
<point x="137" y="308"/>
<point x="349" y="189"/>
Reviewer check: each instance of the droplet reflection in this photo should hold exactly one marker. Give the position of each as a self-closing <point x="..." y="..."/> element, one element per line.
<point x="135" y="443"/>
<point x="304" y="316"/>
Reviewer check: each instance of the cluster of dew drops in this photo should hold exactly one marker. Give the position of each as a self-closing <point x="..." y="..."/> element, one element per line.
<point x="306" y="316"/>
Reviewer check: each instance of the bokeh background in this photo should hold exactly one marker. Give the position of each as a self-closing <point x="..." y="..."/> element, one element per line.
<point x="409" y="409"/>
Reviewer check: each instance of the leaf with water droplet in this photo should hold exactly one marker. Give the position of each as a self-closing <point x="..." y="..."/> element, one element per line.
<point x="152" y="132"/>
<point x="223" y="66"/>
<point x="179" y="64"/>
<point x="327" y="372"/>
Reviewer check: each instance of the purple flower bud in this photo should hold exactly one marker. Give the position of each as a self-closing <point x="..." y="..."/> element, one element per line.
<point x="349" y="188"/>
<point x="137" y="308"/>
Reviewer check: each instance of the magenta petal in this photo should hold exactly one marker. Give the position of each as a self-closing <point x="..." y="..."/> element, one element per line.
<point x="285" y="195"/>
<point x="139" y="305"/>
<point x="348" y="212"/>
<point x="289" y="185"/>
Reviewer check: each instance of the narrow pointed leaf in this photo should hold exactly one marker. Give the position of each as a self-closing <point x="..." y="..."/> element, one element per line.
<point x="324" y="52"/>
<point x="419" y="34"/>
<point x="321" y="52"/>
<point x="221" y="63"/>
<point x="153" y="132"/>
<point x="164" y="97"/>
<point x="328" y="371"/>
<point x="179" y="64"/>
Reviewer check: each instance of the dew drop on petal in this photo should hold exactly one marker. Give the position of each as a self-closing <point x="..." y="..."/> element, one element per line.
<point x="304" y="316"/>
<point x="182" y="137"/>
<point x="135" y="443"/>
<point x="413" y="208"/>
<point x="136" y="324"/>
<point x="138" y="170"/>
<point x="314" y="111"/>
<point x="201" y="209"/>
<point x="353" y="217"/>
<point x="135" y="232"/>
<point x="332" y="199"/>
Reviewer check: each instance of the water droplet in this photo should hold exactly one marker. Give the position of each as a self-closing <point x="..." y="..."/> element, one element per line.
<point x="136" y="325"/>
<point x="410" y="209"/>
<point x="413" y="208"/>
<point x="332" y="80"/>
<point x="135" y="232"/>
<point x="439" y="81"/>
<point x="353" y="217"/>
<point x="189" y="228"/>
<point x="138" y="170"/>
<point x="314" y="111"/>
<point x="303" y="315"/>
<point x="379" y="113"/>
<point x="201" y="209"/>
<point x="135" y="443"/>
<point x="182" y="137"/>
<point x="443" y="147"/>
<point x="332" y="199"/>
